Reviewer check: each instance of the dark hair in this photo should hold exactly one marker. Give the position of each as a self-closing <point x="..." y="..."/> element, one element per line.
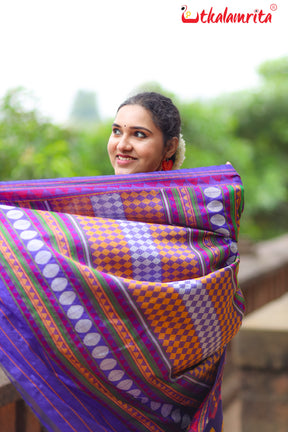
<point x="164" y="113"/>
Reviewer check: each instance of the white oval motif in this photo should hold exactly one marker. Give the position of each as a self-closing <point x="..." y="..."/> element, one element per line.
<point x="67" y="298"/>
<point x="155" y="405"/>
<point x="28" y="234"/>
<point x="22" y="224"/>
<point x="233" y="247"/>
<point x="125" y="384"/>
<point x="218" y="220"/>
<point x="176" y="416"/>
<point x="59" y="284"/>
<point x="215" y="206"/>
<point x="185" y="421"/>
<point x="108" y="364"/>
<point x="75" y="312"/>
<point x="100" y="352"/>
<point x="92" y="339"/>
<point x="135" y="392"/>
<point x="212" y="192"/>
<point x="6" y="207"/>
<point x="51" y="270"/>
<point x="230" y="260"/>
<point x="83" y="325"/>
<point x="115" y="375"/>
<point x="43" y="257"/>
<point x="14" y="214"/>
<point x="166" y="409"/>
<point x="223" y="231"/>
<point x="34" y="245"/>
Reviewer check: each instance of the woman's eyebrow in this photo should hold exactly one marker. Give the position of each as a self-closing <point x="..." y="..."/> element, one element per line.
<point x="141" y="127"/>
<point x="132" y="127"/>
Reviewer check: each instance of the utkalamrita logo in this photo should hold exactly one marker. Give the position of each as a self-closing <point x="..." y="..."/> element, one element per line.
<point x="205" y="17"/>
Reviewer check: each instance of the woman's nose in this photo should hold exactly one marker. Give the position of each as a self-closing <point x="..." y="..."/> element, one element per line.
<point x="124" y="143"/>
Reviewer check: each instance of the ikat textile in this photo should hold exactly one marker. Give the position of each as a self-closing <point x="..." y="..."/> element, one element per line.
<point x="118" y="296"/>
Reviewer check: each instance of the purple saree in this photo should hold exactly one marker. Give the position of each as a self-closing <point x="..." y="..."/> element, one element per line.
<point x="118" y="295"/>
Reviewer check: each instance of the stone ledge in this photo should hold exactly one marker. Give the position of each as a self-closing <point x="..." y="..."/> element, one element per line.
<point x="267" y="257"/>
<point x="262" y="342"/>
<point x="8" y="393"/>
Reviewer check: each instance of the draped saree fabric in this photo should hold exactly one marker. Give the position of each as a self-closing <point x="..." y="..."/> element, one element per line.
<point x="118" y="296"/>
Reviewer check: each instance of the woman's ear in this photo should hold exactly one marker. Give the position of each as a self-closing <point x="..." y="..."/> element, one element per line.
<point x="171" y="147"/>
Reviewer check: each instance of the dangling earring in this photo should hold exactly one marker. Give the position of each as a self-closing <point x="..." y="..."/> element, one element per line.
<point x="167" y="164"/>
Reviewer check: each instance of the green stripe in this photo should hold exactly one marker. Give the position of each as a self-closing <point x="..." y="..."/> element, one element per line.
<point x="233" y="197"/>
<point x="181" y="214"/>
<point x="195" y="206"/>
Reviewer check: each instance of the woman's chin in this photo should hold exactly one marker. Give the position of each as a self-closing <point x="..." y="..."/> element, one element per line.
<point x="124" y="170"/>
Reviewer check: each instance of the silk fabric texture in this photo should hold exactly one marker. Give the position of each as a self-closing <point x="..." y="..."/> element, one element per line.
<point x="118" y="296"/>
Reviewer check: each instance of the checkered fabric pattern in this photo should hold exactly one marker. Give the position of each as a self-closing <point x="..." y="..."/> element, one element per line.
<point x="108" y="205"/>
<point x="108" y="246"/>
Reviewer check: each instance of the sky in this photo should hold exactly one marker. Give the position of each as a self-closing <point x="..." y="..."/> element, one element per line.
<point x="55" y="48"/>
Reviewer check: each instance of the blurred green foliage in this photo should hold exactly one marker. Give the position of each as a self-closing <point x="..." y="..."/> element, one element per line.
<point x="84" y="109"/>
<point x="30" y="146"/>
<point x="249" y="129"/>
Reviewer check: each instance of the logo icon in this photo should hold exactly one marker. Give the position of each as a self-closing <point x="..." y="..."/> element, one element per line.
<point x="186" y="14"/>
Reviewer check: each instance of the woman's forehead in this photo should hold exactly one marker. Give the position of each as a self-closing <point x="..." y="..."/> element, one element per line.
<point x="134" y="115"/>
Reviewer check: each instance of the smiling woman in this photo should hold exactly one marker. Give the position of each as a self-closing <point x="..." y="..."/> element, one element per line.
<point x="119" y="294"/>
<point x="146" y="135"/>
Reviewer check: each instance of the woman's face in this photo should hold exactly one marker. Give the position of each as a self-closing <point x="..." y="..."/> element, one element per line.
<point x="136" y="144"/>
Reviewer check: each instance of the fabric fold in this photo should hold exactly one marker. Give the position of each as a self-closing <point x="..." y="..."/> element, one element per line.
<point x="118" y="296"/>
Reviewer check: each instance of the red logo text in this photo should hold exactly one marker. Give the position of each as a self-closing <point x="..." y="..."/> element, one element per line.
<point x="207" y="17"/>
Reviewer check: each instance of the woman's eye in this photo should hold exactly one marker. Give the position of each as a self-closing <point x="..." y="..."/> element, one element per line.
<point x="116" y="131"/>
<point x="140" y="134"/>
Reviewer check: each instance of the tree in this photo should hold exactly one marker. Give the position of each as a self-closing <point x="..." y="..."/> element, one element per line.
<point x="261" y="119"/>
<point x="275" y="71"/>
<point x="33" y="147"/>
<point x="30" y="145"/>
<point x="84" y="108"/>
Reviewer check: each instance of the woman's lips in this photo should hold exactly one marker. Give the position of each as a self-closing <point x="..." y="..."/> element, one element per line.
<point x="121" y="159"/>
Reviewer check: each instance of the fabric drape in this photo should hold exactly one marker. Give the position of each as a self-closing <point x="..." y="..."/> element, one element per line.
<point x="118" y="296"/>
